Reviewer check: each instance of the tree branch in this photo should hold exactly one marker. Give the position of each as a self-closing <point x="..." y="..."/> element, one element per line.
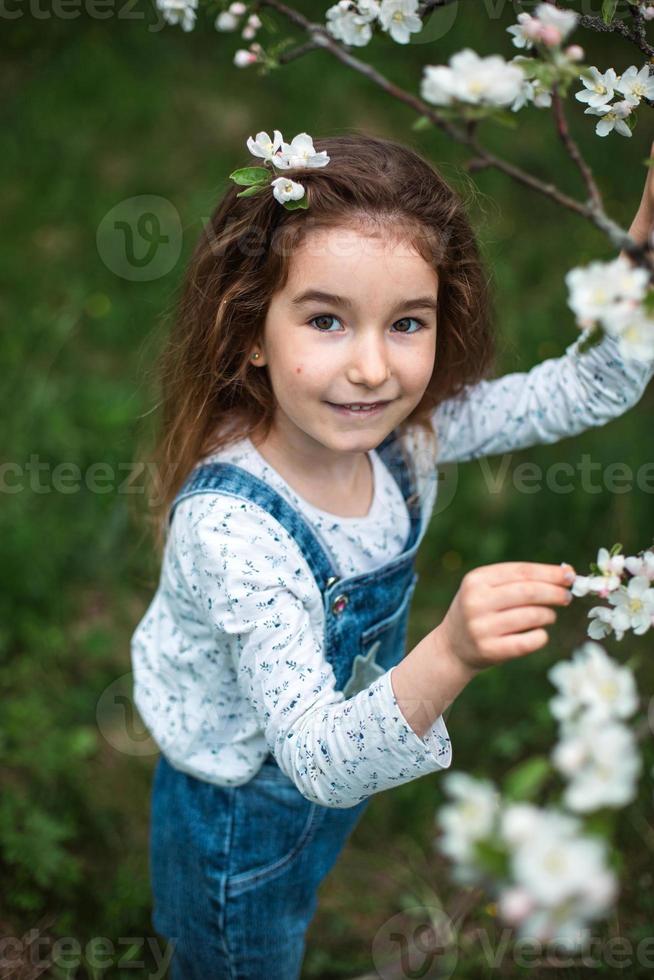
<point x="573" y="149"/>
<point x="592" y="210"/>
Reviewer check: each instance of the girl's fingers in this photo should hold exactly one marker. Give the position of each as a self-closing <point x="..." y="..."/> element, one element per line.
<point x="525" y="594"/>
<point x="515" y="644"/>
<point x="516" y="620"/>
<point x="522" y="571"/>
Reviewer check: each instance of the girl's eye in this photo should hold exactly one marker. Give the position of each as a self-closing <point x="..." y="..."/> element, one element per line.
<point x="330" y="316"/>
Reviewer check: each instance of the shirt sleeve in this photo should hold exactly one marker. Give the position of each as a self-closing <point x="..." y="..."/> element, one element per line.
<point x="559" y="397"/>
<point x="257" y="590"/>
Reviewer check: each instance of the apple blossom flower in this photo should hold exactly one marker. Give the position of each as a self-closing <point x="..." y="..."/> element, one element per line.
<point x="595" y="584"/>
<point x="351" y="22"/>
<point x="469" y="817"/>
<point x="243" y="58"/>
<point x="471" y="79"/>
<point x="598" y="89"/>
<point x="521" y="822"/>
<point x="574" y="52"/>
<point x="648" y="12"/>
<point x="555" y="869"/>
<point x="603" y="290"/>
<point x="526" y="31"/>
<point x="532" y="91"/>
<point x="636" y="85"/>
<point x="643" y="566"/>
<point x="601" y="764"/>
<point x="592" y="684"/>
<point x="400" y="19"/>
<point x="550" y="25"/>
<point x="181" y="12"/>
<point x="237" y="8"/>
<point x="561" y="21"/>
<point x="634" y="606"/>
<point x="264" y="147"/>
<point x="613" y="117"/>
<point x="226" y="21"/>
<point x="601" y="622"/>
<point x="285" y="189"/>
<point x="634" y="331"/>
<point x="300" y="152"/>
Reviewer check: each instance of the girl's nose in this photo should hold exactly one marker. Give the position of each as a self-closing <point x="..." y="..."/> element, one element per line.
<point x="369" y="364"/>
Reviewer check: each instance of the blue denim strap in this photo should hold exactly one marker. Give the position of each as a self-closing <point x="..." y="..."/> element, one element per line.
<point x="229" y="479"/>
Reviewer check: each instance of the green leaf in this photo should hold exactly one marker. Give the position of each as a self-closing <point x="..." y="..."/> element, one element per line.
<point x="608" y="10"/>
<point x="294" y="205"/>
<point x="423" y="122"/>
<point x="525" y="780"/>
<point x="251" y="191"/>
<point x="250" y="175"/>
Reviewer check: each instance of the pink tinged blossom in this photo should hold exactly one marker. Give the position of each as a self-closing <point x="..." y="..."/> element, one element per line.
<point x="574" y="52"/>
<point x="550" y="35"/>
<point x="243" y="58"/>
<point x="641" y="566"/>
<point x="515" y="904"/>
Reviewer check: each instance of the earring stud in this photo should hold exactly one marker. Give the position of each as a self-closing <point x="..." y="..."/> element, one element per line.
<point x="255" y="356"/>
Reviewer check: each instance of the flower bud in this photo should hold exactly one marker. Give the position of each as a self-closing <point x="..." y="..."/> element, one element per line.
<point x="226" y="21"/>
<point x="244" y="58"/>
<point x="574" y="52"/>
<point x="237" y="8"/>
<point x="648" y="13"/>
<point x="550" y="35"/>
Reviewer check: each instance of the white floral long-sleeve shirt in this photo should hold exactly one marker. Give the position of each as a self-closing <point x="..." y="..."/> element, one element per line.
<point x="198" y="651"/>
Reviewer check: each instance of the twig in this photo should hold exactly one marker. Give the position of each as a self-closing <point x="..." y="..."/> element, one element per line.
<point x="593" y="210"/>
<point x="573" y="150"/>
<point x="635" y="34"/>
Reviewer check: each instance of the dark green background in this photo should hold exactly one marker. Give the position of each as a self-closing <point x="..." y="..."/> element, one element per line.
<point x="99" y="111"/>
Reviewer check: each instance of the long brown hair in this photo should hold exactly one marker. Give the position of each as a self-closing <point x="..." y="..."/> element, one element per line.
<point x="211" y="394"/>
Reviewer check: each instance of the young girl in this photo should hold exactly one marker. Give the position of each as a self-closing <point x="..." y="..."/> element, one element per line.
<point x="322" y="360"/>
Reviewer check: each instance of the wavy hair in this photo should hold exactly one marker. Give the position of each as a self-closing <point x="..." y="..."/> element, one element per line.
<point x="210" y="393"/>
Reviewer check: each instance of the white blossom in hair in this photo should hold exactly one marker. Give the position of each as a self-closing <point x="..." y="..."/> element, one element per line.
<point x="299" y="153"/>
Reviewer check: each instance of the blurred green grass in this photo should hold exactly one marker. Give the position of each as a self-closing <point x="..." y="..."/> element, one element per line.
<point x="96" y="112"/>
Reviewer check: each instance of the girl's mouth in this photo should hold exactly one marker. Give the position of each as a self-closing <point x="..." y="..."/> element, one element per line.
<point x="360" y="408"/>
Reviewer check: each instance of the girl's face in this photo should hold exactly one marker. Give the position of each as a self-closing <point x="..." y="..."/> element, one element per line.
<point x="370" y="338"/>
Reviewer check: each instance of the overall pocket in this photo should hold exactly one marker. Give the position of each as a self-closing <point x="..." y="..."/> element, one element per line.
<point x="272" y="824"/>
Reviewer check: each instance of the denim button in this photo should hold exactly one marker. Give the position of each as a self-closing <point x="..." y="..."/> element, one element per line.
<point x="339" y="603"/>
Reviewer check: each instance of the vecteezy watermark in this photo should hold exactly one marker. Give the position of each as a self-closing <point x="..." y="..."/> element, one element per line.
<point x="422" y="942"/>
<point x="419" y="942"/>
<point x="41" y="476"/>
<point x="586" y="475"/>
<point x="617" y="952"/>
<point x="140" y="238"/>
<point x="34" y="955"/>
<point x="91" y="9"/>
<point x="121" y="723"/>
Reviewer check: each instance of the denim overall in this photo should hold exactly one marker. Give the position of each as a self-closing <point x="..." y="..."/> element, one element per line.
<point x="235" y="869"/>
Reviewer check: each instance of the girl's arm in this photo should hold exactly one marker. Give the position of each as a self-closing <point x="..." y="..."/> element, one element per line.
<point x="560" y="397"/>
<point x="264" y="612"/>
<point x="557" y="398"/>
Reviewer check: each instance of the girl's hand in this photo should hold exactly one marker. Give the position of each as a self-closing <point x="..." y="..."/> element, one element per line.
<point x="495" y="604"/>
<point x="643" y="223"/>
